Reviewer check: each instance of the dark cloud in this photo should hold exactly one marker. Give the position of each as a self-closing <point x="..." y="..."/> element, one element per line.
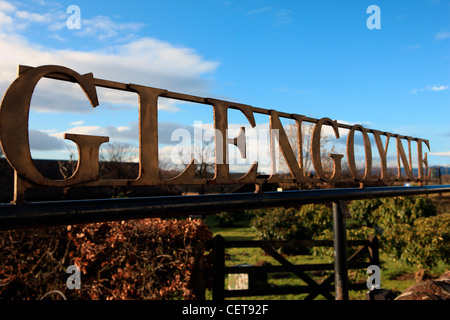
<point x="43" y="142"/>
<point x="166" y="129"/>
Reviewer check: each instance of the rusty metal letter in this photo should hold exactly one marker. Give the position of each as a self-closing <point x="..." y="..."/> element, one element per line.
<point x="296" y="168"/>
<point x="351" y="152"/>
<point x="14" y="115"/>
<point x="315" y="150"/>
<point x="422" y="160"/>
<point x="148" y="140"/>
<point x="382" y="152"/>
<point x="222" y="170"/>
<point x="402" y="156"/>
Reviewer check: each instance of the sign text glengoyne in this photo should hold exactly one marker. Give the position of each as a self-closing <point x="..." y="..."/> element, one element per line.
<point x="14" y="114"/>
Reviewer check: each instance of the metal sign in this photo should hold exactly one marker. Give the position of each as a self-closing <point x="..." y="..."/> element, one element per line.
<point x="14" y="115"/>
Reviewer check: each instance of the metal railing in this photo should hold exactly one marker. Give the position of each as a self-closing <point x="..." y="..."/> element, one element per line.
<point x="48" y="213"/>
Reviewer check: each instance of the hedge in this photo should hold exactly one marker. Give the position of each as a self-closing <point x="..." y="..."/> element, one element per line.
<point x="136" y="259"/>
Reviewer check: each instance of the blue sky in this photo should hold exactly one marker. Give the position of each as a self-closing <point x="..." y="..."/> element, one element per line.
<point x="316" y="58"/>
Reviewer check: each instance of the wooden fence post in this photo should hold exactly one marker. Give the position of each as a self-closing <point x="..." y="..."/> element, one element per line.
<point x="219" y="268"/>
<point x="198" y="278"/>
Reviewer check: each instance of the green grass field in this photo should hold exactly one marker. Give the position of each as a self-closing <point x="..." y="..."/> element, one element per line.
<point x="394" y="275"/>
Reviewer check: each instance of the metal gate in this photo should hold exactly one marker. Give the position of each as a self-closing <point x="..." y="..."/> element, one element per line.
<point x="367" y="248"/>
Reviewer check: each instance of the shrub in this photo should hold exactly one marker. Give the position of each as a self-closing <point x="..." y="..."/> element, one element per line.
<point x="410" y="229"/>
<point x="363" y="211"/>
<point x="352" y="234"/>
<point x="404" y="210"/>
<point x="422" y="244"/>
<point x="385" y="212"/>
<point x="136" y="259"/>
<point x="229" y="219"/>
<point x="278" y="224"/>
<point x="32" y="262"/>
<point x="316" y="218"/>
<point x="293" y="223"/>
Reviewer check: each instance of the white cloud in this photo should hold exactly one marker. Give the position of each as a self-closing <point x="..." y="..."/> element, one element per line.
<point x="413" y="47"/>
<point x="104" y="28"/>
<point x="88" y="130"/>
<point x="438" y="88"/>
<point x="145" y="61"/>
<point x="99" y="27"/>
<point x="13" y="20"/>
<point x="430" y="88"/>
<point x="5" y="21"/>
<point x="121" y="133"/>
<point x="33" y="17"/>
<point x="441" y="35"/>
<point x="77" y="123"/>
<point x="283" y="16"/>
<point x="440" y="154"/>
<point x="140" y="60"/>
<point x="123" y="128"/>
<point x="258" y="10"/>
<point x="6" y="6"/>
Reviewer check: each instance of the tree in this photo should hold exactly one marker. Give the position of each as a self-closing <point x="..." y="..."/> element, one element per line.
<point x="117" y="152"/>
<point x="67" y="168"/>
<point x="116" y="163"/>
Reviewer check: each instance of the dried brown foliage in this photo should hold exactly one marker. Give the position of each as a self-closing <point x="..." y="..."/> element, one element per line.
<point x="136" y="259"/>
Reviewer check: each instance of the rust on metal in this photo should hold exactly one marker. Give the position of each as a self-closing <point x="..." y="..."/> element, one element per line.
<point x="14" y="118"/>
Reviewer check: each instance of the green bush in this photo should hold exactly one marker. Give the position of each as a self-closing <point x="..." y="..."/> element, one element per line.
<point x="352" y="234"/>
<point x="385" y="212"/>
<point x="404" y="210"/>
<point x="230" y="219"/>
<point x="363" y="211"/>
<point x="410" y="229"/>
<point x="293" y="223"/>
<point x="279" y="224"/>
<point x="422" y="244"/>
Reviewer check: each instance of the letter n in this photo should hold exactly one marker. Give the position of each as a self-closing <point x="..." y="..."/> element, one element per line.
<point x="295" y="167"/>
<point x="401" y="156"/>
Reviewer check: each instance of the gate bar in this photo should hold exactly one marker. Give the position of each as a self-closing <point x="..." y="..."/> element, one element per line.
<point x="49" y="213"/>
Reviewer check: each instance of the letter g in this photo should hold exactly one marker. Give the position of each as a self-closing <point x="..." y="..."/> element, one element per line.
<point x="14" y="115"/>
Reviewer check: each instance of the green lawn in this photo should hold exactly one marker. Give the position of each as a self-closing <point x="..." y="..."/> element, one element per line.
<point x="394" y="275"/>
